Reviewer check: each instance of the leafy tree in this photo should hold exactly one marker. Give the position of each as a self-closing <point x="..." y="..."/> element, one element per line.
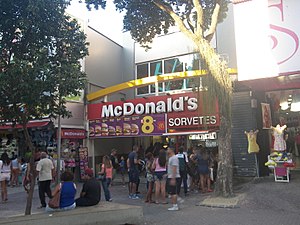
<point x="197" y="20"/>
<point x="40" y="49"/>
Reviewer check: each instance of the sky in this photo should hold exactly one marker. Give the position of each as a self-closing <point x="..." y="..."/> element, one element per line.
<point x="108" y="22"/>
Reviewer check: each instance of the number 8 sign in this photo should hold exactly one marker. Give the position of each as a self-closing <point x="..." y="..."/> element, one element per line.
<point x="148" y="126"/>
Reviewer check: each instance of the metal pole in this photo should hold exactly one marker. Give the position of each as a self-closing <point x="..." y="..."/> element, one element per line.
<point x="58" y="150"/>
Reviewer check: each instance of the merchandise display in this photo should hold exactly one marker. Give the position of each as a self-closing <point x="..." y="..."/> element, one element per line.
<point x="280" y="163"/>
<point x="279" y="142"/>
<point x="252" y="144"/>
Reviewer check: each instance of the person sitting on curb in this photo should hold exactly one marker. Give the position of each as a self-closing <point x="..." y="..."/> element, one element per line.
<point x="67" y="190"/>
<point x="91" y="190"/>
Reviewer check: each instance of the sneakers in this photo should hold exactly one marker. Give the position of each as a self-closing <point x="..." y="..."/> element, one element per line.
<point x="135" y="197"/>
<point x="130" y="196"/>
<point x="180" y="200"/>
<point x="174" y="208"/>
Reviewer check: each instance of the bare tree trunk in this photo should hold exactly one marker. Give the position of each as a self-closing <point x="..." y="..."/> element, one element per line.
<point x="222" y="88"/>
<point x="31" y="171"/>
<point x="224" y="186"/>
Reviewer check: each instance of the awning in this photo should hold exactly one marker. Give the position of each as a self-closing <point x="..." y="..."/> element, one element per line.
<point x="30" y="124"/>
<point x="274" y="84"/>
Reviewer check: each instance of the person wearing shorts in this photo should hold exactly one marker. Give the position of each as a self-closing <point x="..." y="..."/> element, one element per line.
<point x="203" y="170"/>
<point x="173" y="178"/>
<point x="5" y="167"/>
<point x="160" y="174"/>
<point x="133" y="172"/>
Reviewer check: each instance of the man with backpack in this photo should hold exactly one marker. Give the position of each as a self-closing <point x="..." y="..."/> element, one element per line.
<point x="182" y="170"/>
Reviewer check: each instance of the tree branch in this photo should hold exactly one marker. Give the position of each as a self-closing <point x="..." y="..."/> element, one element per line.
<point x="199" y="11"/>
<point x="214" y="22"/>
<point x="188" y="20"/>
<point x="175" y="17"/>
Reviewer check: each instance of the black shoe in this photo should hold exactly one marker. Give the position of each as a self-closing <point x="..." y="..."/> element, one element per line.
<point x="42" y="206"/>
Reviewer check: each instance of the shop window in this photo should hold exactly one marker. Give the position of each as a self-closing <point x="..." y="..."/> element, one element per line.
<point x="142" y="72"/>
<point x="192" y="62"/>
<point x="172" y="66"/>
<point x="155" y="70"/>
<point x="179" y="64"/>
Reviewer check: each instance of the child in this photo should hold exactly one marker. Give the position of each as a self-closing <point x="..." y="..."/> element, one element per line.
<point x="122" y="170"/>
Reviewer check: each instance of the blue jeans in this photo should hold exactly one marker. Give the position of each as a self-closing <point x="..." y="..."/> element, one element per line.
<point x="105" y="184"/>
<point x="183" y="178"/>
<point x="48" y="209"/>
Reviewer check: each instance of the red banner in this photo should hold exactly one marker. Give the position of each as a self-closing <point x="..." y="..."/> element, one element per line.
<point x="73" y="133"/>
<point x="180" y="111"/>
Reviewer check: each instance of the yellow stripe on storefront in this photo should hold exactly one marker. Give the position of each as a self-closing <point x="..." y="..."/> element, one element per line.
<point x="147" y="81"/>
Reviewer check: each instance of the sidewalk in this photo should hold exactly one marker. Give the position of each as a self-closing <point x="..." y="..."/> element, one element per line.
<point x="265" y="202"/>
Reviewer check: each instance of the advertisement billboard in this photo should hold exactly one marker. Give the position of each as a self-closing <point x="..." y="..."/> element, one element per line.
<point x="152" y="116"/>
<point x="267" y="38"/>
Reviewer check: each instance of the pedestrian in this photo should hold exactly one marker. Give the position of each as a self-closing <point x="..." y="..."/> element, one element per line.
<point x="5" y="166"/>
<point x="182" y="170"/>
<point x="115" y="164"/>
<point x="133" y="172"/>
<point x="107" y="175"/>
<point x="67" y="189"/>
<point x="45" y="170"/>
<point x="15" y="171"/>
<point x="159" y="167"/>
<point x="122" y="169"/>
<point x="193" y="171"/>
<point x="91" y="191"/>
<point x="25" y="174"/>
<point x="150" y="177"/>
<point x="173" y="178"/>
<point x="297" y="140"/>
<point x="203" y="170"/>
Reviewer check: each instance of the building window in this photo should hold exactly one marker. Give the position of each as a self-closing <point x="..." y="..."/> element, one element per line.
<point x="172" y="65"/>
<point x="156" y="69"/>
<point x="142" y="72"/>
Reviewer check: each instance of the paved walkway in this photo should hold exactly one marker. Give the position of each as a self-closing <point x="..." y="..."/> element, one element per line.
<point x="264" y="202"/>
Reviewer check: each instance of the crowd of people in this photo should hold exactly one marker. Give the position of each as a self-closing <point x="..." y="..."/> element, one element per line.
<point x="166" y="173"/>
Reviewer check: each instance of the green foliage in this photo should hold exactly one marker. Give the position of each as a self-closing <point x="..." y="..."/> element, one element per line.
<point x="40" y="49"/>
<point x="145" y="20"/>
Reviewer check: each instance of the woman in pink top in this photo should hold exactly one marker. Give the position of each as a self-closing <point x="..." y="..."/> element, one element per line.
<point x="160" y="176"/>
<point x="107" y="171"/>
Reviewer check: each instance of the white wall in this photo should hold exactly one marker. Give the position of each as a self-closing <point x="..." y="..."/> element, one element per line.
<point x="77" y="119"/>
<point x="104" y="63"/>
<point x="109" y="63"/>
<point x="226" y="39"/>
<point x="165" y="46"/>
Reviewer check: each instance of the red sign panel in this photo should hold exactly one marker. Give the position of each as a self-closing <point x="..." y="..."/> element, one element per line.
<point x="73" y="133"/>
<point x="152" y="115"/>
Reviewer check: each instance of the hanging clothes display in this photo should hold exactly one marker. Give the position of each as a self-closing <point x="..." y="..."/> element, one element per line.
<point x="279" y="142"/>
<point x="252" y="144"/>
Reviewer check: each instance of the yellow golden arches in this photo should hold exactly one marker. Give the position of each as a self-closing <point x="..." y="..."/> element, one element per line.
<point x="147" y="81"/>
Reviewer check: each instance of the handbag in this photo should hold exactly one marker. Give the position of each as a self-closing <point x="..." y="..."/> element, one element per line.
<point x="102" y="176"/>
<point x="54" y="202"/>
